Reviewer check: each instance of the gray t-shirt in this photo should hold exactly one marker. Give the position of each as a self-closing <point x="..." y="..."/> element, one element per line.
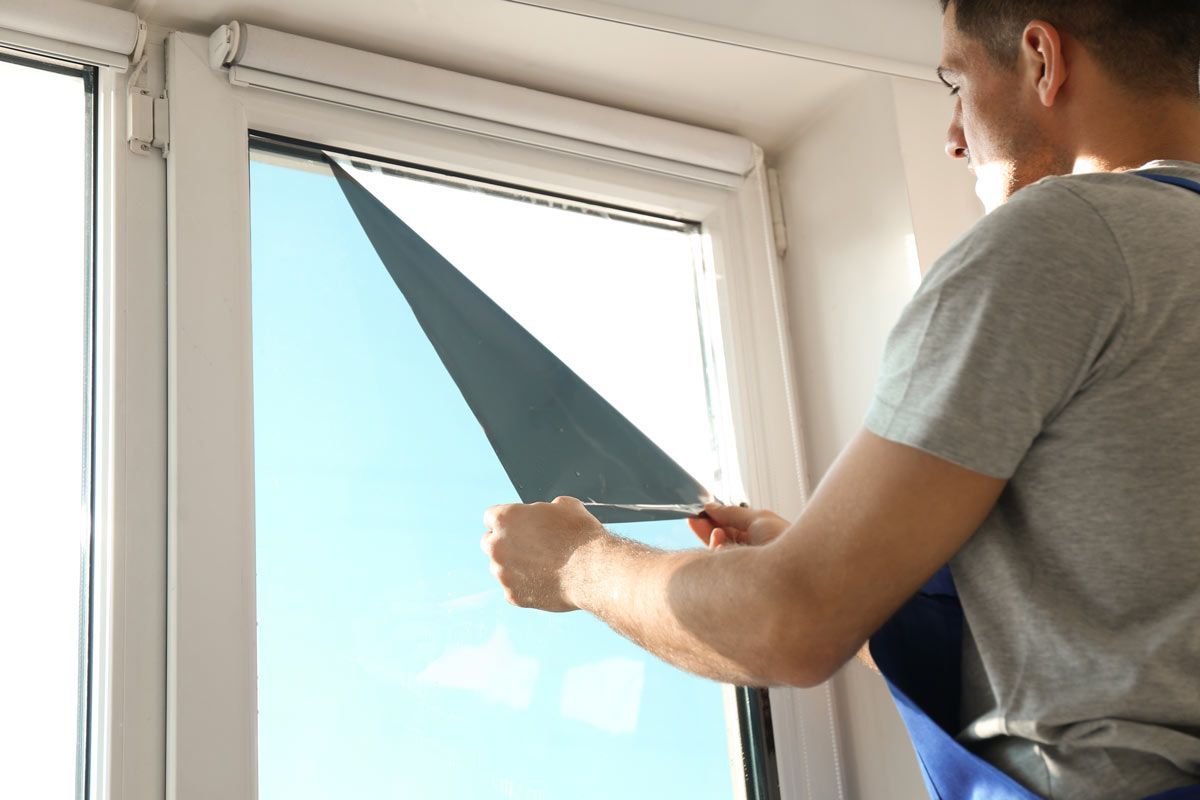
<point x="1057" y="345"/>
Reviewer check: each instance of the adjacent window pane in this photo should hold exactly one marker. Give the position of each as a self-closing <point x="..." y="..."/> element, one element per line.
<point x="45" y="502"/>
<point x="389" y="663"/>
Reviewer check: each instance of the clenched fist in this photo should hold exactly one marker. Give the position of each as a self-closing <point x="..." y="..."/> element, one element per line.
<point x="533" y="549"/>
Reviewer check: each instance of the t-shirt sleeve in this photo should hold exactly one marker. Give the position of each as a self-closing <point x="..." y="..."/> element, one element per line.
<point x="1011" y="324"/>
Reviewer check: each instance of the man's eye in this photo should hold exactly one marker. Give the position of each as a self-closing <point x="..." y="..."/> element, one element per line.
<point x="954" y="91"/>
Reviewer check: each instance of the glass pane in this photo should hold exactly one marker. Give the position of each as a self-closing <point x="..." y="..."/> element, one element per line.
<point x="45" y="502"/>
<point x="389" y="663"/>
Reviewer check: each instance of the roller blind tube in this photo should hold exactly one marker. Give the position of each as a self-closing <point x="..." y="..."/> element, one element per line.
<point x="73" y="29"/>
<point x="270" y="59"/>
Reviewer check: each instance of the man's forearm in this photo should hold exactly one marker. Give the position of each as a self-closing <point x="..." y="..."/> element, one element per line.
<point x="713" y="614"/>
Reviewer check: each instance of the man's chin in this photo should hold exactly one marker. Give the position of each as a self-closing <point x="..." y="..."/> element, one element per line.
<point x="996" y="183"/>
<point x="993" y="186"/>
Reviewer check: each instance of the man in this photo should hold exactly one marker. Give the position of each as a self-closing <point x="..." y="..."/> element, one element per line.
<point x="1036" y="424"/>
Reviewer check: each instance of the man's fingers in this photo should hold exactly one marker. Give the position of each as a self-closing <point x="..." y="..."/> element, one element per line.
<point x="718" y="539"/>
<point x="568" y="501"/>
<point x="701" y="527"/>
<point x="731" y="516"/>
<point x="494" y="516"/>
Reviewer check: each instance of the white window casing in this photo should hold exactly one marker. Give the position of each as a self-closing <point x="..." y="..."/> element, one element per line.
<point x="247" y="79"/>
<point x="126" y="719"/>
<point x="129" y="605"/>
<point x="74" y="29"/>
<point x="192" y="733"/>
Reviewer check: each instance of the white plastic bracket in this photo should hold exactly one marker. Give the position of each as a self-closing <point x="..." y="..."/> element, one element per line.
<point x="223" y="45"/>
<point x="139" y="46"/>
<point x="149" y="121"/>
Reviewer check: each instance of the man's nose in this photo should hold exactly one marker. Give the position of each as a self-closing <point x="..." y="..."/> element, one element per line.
<point x="956" y="140"/>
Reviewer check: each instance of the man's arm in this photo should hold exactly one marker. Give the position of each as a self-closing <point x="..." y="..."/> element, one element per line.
<point x="791" y="612"/>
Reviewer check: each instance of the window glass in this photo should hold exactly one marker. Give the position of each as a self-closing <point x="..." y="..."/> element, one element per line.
<point x="45" y="366"/>
<point x="389" y="663"/>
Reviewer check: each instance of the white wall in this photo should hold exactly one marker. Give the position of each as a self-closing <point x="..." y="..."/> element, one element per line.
<point x="848" y="268"/>
<point x="941" y="194"/>
<point x="868" y="202"/>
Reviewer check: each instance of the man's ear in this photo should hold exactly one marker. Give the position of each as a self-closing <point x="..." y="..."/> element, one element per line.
<point x="1043" y="61"/>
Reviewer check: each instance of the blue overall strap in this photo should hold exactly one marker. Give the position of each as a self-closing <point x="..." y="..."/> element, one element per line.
<point x="919" y="652"/>
<point x="1172" y="180"/>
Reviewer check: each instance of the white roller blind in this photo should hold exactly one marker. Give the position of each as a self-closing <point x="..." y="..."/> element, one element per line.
<point x="262" y="57"/>
<point x="73" y="29"/>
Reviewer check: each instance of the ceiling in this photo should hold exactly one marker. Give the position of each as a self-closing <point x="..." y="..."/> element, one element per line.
<point x="890" y="35"/>
<point x="668" y="62"/>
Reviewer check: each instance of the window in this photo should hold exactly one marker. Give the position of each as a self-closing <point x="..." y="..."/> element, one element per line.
<point x="233" y="560"/>
<point x="127" y="421"/>
<point x="389" y="663"/>
<point x="45" y="424"/>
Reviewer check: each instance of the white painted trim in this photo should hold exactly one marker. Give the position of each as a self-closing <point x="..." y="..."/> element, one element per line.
<point x="211" y="702"/>
<point x="128" y="665"/>
<point x="769" y="436"/>
<point x="806" y="726"/>
<point x="310" y="68"/>
<point x="212" y="678"/>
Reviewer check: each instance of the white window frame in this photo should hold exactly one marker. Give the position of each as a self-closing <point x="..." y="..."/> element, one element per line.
<point x="211" y="703"/>
<point x="127" y="731"/>
<point x="127" y="639"/>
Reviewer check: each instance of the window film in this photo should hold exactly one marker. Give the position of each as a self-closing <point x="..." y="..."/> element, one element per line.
<point x="45" y="430"/>
<point x="554" y="434"/>
<point x="389" y="663"/>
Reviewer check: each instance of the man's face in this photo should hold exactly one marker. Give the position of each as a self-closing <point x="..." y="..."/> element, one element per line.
<point x="998" y="123"/>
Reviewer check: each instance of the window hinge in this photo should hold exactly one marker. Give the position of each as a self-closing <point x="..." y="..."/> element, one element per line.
<point x="148" y="121"/>
<point x="777" y="219"/>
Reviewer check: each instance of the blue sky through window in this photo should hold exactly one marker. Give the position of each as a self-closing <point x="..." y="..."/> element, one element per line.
<point x="389" y="664"/>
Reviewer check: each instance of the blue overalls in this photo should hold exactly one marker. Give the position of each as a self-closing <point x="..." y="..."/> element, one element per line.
<point x="919" y="652"/>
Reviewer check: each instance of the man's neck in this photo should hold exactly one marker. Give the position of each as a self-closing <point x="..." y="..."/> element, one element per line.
<point x="1120" y="139"/>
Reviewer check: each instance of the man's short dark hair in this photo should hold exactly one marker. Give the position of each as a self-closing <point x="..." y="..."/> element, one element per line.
<point x="1149" y="45"/>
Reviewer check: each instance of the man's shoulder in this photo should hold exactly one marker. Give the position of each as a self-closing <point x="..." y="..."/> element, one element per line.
<point x="1046" y="223"/>
<point x="1109" y="196"/>
<point x="1046" y="205"/>
<point x="1104" y="215"/>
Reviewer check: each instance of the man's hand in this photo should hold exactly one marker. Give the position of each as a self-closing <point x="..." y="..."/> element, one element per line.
<point x="724" y="526"/>
<point x="531" y="547"/>
<point x="790" y="612"/>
